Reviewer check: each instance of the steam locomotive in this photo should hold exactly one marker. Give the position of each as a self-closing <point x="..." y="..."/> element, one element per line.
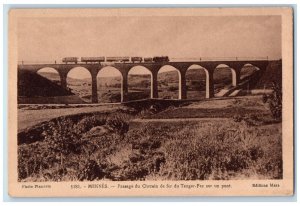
<point x="116" y="59"/>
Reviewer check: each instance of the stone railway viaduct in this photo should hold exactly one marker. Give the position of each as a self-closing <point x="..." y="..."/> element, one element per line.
<point x="124" y="68"/>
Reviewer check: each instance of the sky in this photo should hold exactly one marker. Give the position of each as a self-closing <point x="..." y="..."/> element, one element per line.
<point x="50" y="39"/>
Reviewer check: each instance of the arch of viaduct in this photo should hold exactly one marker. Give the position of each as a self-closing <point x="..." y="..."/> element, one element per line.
<point x="124" y="68"/>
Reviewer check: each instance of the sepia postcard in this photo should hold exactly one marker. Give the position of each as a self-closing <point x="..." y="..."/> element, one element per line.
<point x="111" y="102"/>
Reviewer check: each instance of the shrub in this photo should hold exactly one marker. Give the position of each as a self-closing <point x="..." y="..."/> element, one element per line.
<point x="136" y="157"/>
<point x="85" y="124"/>
<point x="249" y="119"/>
<point x="252" y="120"/>
<point x="119" y="123"/>
<point x="274" y="101"/>
<point x="134" y="172"/>
<point x="63" y="148"/>
<point x="91" y="171"/>
<point x="62" y="138"/>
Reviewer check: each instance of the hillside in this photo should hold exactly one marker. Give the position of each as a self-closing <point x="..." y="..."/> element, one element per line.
<point x="34" y="88"/>
<point x="273" y="73"/>
<point x="33" y="85"/>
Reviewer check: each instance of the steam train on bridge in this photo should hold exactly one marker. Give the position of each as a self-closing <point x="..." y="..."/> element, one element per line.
<point x="115" y="59"/>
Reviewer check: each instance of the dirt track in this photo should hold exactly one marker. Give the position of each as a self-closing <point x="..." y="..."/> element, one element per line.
<point x="28" y="118"/>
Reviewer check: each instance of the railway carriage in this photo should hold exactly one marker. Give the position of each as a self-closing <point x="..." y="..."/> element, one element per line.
<point x="70" y="60"/>
<point x="161" y="59"/>
<point x="92" y="59"/>
<point x="118" y="59"/>
<point x="136" y="59"/>
<point x="148" y="59"/>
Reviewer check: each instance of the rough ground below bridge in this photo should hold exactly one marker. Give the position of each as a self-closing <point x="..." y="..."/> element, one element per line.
<point x="233" y="138"/>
